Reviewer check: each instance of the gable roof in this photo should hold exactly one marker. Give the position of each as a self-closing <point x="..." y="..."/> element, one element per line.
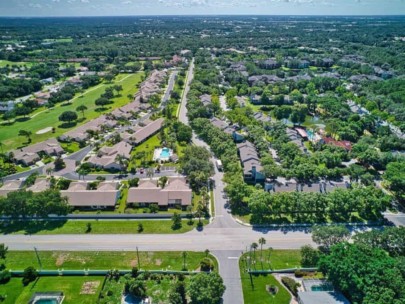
<point x="10" y="186"/>
<point x="148" y="130"/>
<point x="41" y="184"/>
<point x="78" y="195"/>
<point x="149" y="192"/>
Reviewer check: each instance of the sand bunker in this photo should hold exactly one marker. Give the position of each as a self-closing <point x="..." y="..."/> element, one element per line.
<point x="43" y="131"/>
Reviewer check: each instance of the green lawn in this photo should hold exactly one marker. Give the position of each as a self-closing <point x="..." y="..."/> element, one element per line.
<point x="105" y="260"/>
<point x="257" y="293"/>
<point x="275" y="259"/>
<point x="146" y="147"/>
<point x="4" y="63"/>
<point x="12" y="290"/>
<point x="49" y="118"/>
<point x="70" y="147"/>
<point x="70" y="286"/>
<point x="98" y="227"/>
<point x="59" y="40"/>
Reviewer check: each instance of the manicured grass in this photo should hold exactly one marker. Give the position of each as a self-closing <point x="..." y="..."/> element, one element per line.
<point x="71" y="147"/>
<point x="147" y="147"/>
<point x="4" y="63"/>
<point x="257" y="293"/>
<point x="105" y="260"/>
<point x="12" y="290"/>
<point x="59" y="40"/>
<point x="49" y="118"/>
<point x="98" y="227"/>
<point x="278" y="259"/>
<point x="70" y="286"/>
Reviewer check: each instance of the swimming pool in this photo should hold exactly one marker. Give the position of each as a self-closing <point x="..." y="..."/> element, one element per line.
<point x="165" y="154"/>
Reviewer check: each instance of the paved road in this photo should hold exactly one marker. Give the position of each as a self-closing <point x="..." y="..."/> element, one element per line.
<point x="234" y="239"/>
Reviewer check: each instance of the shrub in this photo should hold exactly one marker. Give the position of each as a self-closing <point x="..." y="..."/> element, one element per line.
<point x="206" y="264"/>
<point x="291" y="285"/>
<point x="5" y="276"/>
<point x="30" y="274"/>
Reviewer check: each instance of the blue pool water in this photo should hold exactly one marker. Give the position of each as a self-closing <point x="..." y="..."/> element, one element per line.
<point x="165" y="153"/>
<point x="46" y="301"/>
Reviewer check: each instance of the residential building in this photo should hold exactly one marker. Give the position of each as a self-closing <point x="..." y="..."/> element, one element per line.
<point x="347" y="145"/>
<point x="206" y="99"/>
<point x="252" y="167"/>
<point x="109" y="157"/>
<point x="31" y="154"/>
<point x="41" y="184"/>
<point x="143" y="133"/>
<point x="80" y="196"/>
<point x="81" y="134"/>
<point x="11" y="186"/>
<point x="175" y="193"/>
<point x="220" y="124"/>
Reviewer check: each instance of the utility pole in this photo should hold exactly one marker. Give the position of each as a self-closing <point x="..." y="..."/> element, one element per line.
<point x="38" y="258"/>
<point x="139" y="261"/>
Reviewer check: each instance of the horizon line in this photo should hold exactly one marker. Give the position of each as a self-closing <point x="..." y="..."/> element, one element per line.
<point x="210" y="15"/>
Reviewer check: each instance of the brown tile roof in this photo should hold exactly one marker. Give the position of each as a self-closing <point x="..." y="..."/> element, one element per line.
<point x="10" y="186"/>
<point x="41" y="184"/>
<point x="149" y="192"/>
<point x="148" y="130"/>
<point x="78" y="195"/>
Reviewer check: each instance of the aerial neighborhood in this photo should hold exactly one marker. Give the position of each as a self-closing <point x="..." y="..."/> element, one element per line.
<point x="202" y="159"/>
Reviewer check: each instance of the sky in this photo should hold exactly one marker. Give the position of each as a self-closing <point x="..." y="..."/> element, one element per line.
<point x="40" y="8"/>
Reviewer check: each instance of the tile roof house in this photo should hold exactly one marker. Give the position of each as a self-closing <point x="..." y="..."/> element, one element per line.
<point x="220" y="124"/>
<point x="11" y="186"/>
<point x="252" y="167"/>
<point x="105" y="196"/>
<point x="347" y="145"/>
<point x="41" y="184"/>
<point x="142" y="134"/>
<point x="108" y="157"/>
<point x="206" y="99"/>
<point x="176" y="192"/>
<point x="80" y="134"/>
<point x="30" y="154"/>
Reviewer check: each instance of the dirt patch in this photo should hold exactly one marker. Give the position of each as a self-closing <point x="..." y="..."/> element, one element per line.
<point x="134" y="263"/>
<point x="158" y="262"/>
<point x="90" y="287"/>
<point x="43" y="131"/>
<point x="60" y="259"/>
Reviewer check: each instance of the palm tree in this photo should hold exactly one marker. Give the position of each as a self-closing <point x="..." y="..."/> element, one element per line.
<point x="254" y="246"/>
<point x="184" y="254"/>
<point x="81" y="108"/>
<point x="262" y="241"/>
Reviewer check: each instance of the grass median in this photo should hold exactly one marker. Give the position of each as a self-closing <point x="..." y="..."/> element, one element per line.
<point x="255" y="286"/>
<point x="95" y="227"/>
